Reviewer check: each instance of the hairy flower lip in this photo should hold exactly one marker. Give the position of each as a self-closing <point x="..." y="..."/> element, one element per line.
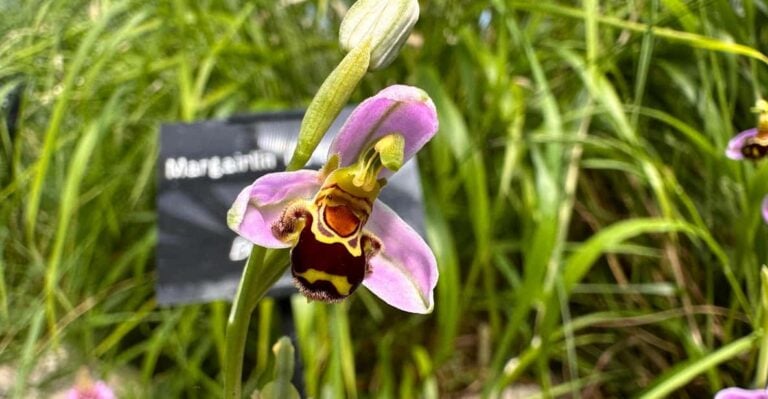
<point x="403" y="270"/>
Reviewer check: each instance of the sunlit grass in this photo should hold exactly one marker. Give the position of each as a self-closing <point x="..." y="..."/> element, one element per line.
<point x="592" y="237"/>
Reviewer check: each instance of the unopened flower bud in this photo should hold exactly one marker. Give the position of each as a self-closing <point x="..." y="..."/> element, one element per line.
<point x="386" y="23"/>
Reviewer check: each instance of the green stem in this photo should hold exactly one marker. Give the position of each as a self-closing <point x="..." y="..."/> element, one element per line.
<point x="237" y="326"/>
<point x="263" y="269"/>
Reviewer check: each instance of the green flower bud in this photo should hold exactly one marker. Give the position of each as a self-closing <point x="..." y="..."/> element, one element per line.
<point x="280" y="387"/>
<point x="387" y="23"/>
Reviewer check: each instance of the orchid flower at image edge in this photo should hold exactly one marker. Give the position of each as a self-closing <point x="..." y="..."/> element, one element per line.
<point x="98" y="390"/>
<point x="738" y="143"/>
<point x="86" y="388"/>
<point x="341" y="235"/>
<point x="765" y="209"/>
<point x="751" y="143"/>
<point x="740" y="393"/>
<point x="748" y="144"/>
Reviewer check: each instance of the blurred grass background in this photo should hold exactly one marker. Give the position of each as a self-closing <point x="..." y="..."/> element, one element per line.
<point x="597" y="243"/>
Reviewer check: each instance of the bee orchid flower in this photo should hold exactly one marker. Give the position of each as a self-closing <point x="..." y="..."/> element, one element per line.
<point x="341" y="235"/>
<point x="751" y="143"/>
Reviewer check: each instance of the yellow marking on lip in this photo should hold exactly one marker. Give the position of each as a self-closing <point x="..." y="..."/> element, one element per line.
<point x="341" y="283"/>
<point x="340" y="195"/>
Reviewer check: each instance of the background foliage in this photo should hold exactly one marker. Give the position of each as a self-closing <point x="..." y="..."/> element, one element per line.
<point x="597" y="242"/>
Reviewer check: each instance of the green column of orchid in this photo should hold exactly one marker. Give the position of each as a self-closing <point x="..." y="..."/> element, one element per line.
<point x="372" y="32"/>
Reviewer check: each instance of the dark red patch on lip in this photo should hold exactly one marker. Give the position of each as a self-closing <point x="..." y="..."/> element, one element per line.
<point x="334" y="259"/>
<point x="756" y="147"/>
<point x="754" y="150"/>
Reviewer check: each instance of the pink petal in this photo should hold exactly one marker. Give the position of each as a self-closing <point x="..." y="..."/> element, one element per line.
<point x="765" y="209"/>
<point x="739" y="393"/>
<point x="103" y="391"/>
<point x="404" y="274"/>
<point x="260" y="205"/>
<point x="99" y="390"/>
<point x="737" y="142"/>
<point x="397" y="109"/>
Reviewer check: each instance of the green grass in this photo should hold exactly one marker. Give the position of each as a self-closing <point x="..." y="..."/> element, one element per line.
<point x="598" y="243"/>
